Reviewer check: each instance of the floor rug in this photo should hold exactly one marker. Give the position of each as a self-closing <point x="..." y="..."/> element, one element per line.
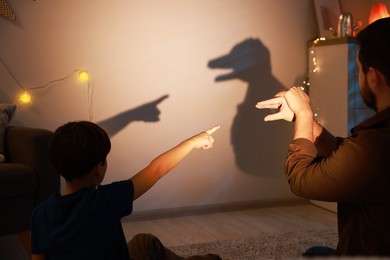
<point x="289" y="245"/>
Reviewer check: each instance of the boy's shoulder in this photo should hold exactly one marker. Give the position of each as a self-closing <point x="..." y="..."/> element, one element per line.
<point x="116" y="195"/>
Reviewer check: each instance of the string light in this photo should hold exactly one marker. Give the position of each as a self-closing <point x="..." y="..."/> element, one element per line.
<point x="25" y="98"/>
<point x="314" y="68"/>
<point x="83" y="75"/>
<point x="319" y="39"/>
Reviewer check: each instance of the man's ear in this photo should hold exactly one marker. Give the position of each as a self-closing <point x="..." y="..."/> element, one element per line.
<point x="371" y="76"/>
<point x="374" y="78"/>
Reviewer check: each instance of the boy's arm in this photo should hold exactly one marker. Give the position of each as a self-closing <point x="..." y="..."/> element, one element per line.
<point x="165" y="162"/>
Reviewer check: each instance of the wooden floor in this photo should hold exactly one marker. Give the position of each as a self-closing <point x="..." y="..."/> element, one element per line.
<point x="181" y="230"/>
<point x="176" y="231"/>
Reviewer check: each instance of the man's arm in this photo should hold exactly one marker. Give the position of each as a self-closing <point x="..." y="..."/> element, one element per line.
<point x="305" y="125"/>
<point x="299" y="103"/>
<point x="301" y="113"/>
<point x="293" y="105"/>
<point x="164" y="163"/>
<point x="324" y="141"/>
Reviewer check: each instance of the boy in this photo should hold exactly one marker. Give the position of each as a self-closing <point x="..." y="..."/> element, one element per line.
<point x="84" y="221"/>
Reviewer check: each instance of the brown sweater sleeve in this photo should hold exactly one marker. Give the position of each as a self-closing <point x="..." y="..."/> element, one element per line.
<point x="341" y="176"/>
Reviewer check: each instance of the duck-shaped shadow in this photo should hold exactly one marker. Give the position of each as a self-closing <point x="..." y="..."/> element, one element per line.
<point x="256" y="144"/>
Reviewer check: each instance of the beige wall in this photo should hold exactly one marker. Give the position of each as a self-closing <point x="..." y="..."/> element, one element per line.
<point x="358" y="9"/>
<point x="138" y="51"/>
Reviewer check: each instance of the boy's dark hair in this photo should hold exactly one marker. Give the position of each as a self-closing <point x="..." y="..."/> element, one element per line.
<point x="374" y="47"/>
<point x="77" y="147"/>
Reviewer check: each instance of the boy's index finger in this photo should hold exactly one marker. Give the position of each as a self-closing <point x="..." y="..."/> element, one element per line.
<point x="212" y="130"/>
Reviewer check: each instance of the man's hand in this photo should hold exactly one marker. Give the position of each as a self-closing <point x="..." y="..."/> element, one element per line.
<point x="280" y="103"/>
<point x="291" y="103"/>
<point x="298" y="101"/>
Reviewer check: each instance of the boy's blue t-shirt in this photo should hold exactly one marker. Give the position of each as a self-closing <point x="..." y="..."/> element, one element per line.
<point x="83" y="225"/>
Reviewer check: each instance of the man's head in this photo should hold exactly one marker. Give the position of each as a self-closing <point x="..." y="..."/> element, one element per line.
<point x="77" y="147"/>
<point x="374" y="47"/>
<point x="373" y="57"/>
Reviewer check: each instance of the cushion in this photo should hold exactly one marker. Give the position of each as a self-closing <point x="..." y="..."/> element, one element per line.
<point x="6" y="113"/>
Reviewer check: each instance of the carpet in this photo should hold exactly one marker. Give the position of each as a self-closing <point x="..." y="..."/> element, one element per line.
<point x="289" y="245"/>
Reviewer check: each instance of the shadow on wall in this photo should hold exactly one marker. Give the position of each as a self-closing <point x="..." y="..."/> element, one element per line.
<point x="4" y="98"/>
<point x="147" y="113"/>
<point x="259" y="146"/>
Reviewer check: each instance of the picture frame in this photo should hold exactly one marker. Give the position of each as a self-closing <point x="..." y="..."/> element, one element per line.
<point x="327" y="13"/>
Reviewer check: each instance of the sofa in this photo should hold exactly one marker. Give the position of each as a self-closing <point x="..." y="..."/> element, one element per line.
<point x="26" y="176"/>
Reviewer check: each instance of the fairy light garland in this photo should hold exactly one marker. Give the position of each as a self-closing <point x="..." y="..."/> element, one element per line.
<point x="313" y="67"/>
<point x="25" y="97"/>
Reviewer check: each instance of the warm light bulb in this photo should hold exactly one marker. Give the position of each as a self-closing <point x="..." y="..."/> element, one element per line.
<point x="25" y="98"/>
<point x="378" y="11"/>
<point x="84" y="75"/>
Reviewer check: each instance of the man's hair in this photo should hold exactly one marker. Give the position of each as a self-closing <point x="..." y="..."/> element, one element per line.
<point x="374" y="47"/>
<point x="77" y="147"/>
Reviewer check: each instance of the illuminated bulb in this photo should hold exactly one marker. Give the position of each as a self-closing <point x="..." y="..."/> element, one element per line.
<point x="25" y="98"/>
<point x="378" y="11"/>
<point x="84" y="75"/>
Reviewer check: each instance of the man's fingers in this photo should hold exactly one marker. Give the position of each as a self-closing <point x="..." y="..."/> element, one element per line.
<point x="212" y="130"/>
<point x="273" y="103"/>
<point x="273" y="117"/>
<point x="281" y="115"/>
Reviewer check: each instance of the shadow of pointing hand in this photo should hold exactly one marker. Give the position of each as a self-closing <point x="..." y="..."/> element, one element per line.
<point x="147" y="112"/>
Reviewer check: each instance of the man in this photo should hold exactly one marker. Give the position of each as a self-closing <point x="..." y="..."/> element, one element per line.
<point x="354" y="171"/>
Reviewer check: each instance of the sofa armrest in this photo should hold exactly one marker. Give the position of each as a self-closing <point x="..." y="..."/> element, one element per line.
<point x="27" y="146"/>
<point x="30" y="146"/>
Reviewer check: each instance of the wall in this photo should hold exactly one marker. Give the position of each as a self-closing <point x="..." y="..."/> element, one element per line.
<point x="359" y="9"/>
<point x="158" y="77"/>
